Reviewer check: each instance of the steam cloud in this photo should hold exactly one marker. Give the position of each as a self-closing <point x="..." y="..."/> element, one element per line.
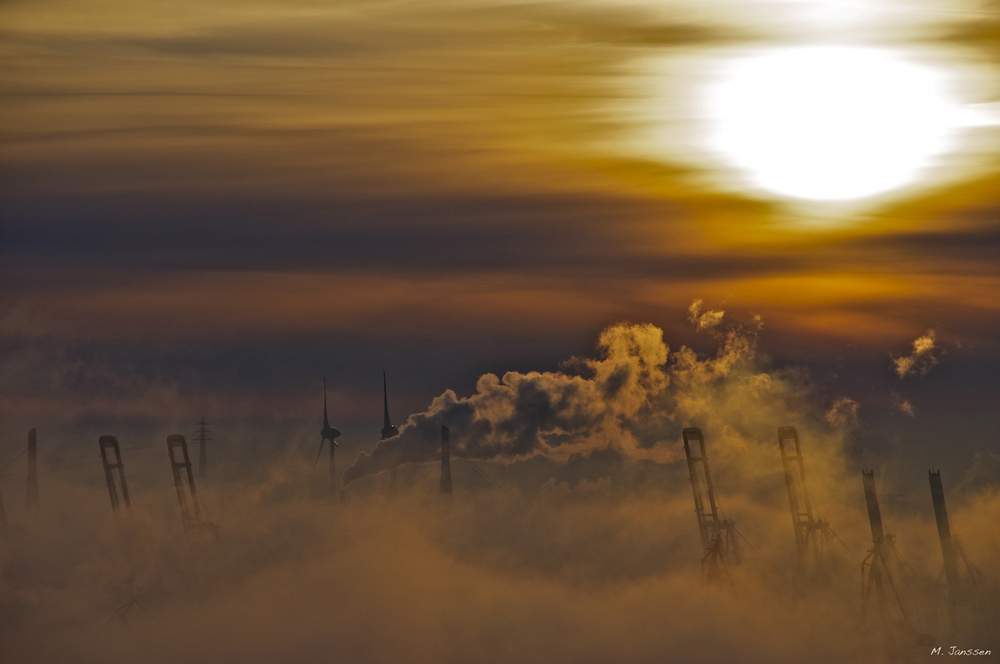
<point x="704" y="320"/>
<point x="553" y="414"/>
<point x="843" y="413"/>
<point x="903" y="405"/>
<point x="632" y="399"/>
<point x="921" y="360"/>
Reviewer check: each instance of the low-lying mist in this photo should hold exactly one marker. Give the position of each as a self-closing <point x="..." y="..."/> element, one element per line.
<point x="584" y="573"/>
<point x="570" y="537"/>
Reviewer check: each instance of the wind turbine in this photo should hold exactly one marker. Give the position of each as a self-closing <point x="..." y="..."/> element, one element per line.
<point x="328" y="433"/>
<point x="389" y="430"/>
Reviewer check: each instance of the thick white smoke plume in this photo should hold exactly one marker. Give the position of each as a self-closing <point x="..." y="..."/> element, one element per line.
<point x="554" y="414"/>
<point x="634" y="398"/>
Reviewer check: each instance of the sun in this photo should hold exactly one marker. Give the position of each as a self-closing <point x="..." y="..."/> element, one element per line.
<point x="829" y="123"/>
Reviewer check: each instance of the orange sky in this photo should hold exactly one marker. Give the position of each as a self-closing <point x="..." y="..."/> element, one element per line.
<point x="226" y="173"/>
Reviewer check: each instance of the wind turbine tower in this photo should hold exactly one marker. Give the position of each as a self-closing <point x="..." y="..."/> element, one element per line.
<point x="329" y="433"/>
<point x="389" y="430"/>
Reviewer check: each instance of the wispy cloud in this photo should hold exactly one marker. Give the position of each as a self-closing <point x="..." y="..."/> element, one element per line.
<point x="843" y="414"/>
<point x="921" y="360"/>
<point x="903" y="405"/>
<point x="704" y="319"/>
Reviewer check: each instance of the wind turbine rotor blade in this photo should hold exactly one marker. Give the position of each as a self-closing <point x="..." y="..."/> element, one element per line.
<point x="321" y="441"/>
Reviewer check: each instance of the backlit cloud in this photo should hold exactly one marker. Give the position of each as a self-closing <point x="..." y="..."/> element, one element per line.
<point x="704" y="320"/>
<point x="921" y="360"/>
<point x="843" y="414"/>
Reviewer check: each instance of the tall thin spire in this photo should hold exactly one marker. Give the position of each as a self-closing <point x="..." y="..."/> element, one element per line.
<point x="385" y="400"/>
<point x="388" y="429"/>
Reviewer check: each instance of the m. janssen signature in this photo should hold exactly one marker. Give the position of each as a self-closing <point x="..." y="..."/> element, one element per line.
<point x="955" y="650"/>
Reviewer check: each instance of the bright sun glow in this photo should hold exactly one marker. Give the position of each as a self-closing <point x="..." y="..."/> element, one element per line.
<point x="830" y="123"/>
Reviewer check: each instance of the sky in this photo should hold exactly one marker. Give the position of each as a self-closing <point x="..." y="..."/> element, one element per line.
<point x="578" y="224"/>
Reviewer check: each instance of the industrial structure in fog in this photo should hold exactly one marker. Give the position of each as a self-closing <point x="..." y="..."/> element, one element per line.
<point x="180" y="468"/>
<point x="718" y="535"/>
<point x="813" y="537"/>
<point x="329" y="433"/>
<point x="111" y="443"/>
<point x="965" y="606"/>
<point x="190" y="518"/>
<point x="973" y="599"/>
<point x="389" y="430"/>
<point x="877" y="572"/>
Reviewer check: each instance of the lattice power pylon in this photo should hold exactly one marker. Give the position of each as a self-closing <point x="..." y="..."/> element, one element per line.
<point x="813" y="537"/>
<point x="719" y="537"/>
<point x="111" y="443"/>
<point x="181" y="468"/>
